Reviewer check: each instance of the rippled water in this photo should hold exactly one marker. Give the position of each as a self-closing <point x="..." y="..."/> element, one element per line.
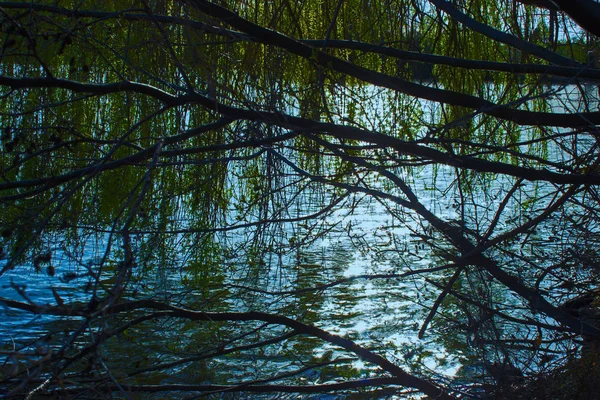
<point x="363" y="237"/>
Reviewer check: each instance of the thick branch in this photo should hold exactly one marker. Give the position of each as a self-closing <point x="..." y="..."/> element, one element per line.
<point x="585" y="12"/>
<point x="502" y="37"/>
<point x="550" y="70"/>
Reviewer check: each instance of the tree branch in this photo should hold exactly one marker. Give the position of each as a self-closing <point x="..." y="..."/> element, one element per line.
<point x="166" y="310"/>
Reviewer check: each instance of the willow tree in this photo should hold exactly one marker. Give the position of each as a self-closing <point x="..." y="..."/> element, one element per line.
<point x="169" y="167"/>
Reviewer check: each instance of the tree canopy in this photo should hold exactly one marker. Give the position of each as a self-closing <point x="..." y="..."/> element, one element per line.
<point x="209" y="198"/>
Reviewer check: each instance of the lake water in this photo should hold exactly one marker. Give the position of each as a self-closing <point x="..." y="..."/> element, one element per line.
<point x="258" y="271"/>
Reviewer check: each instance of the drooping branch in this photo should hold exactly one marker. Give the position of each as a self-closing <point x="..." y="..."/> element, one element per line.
<point x="166" y="310"/>
<point x="96" y="88"/>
